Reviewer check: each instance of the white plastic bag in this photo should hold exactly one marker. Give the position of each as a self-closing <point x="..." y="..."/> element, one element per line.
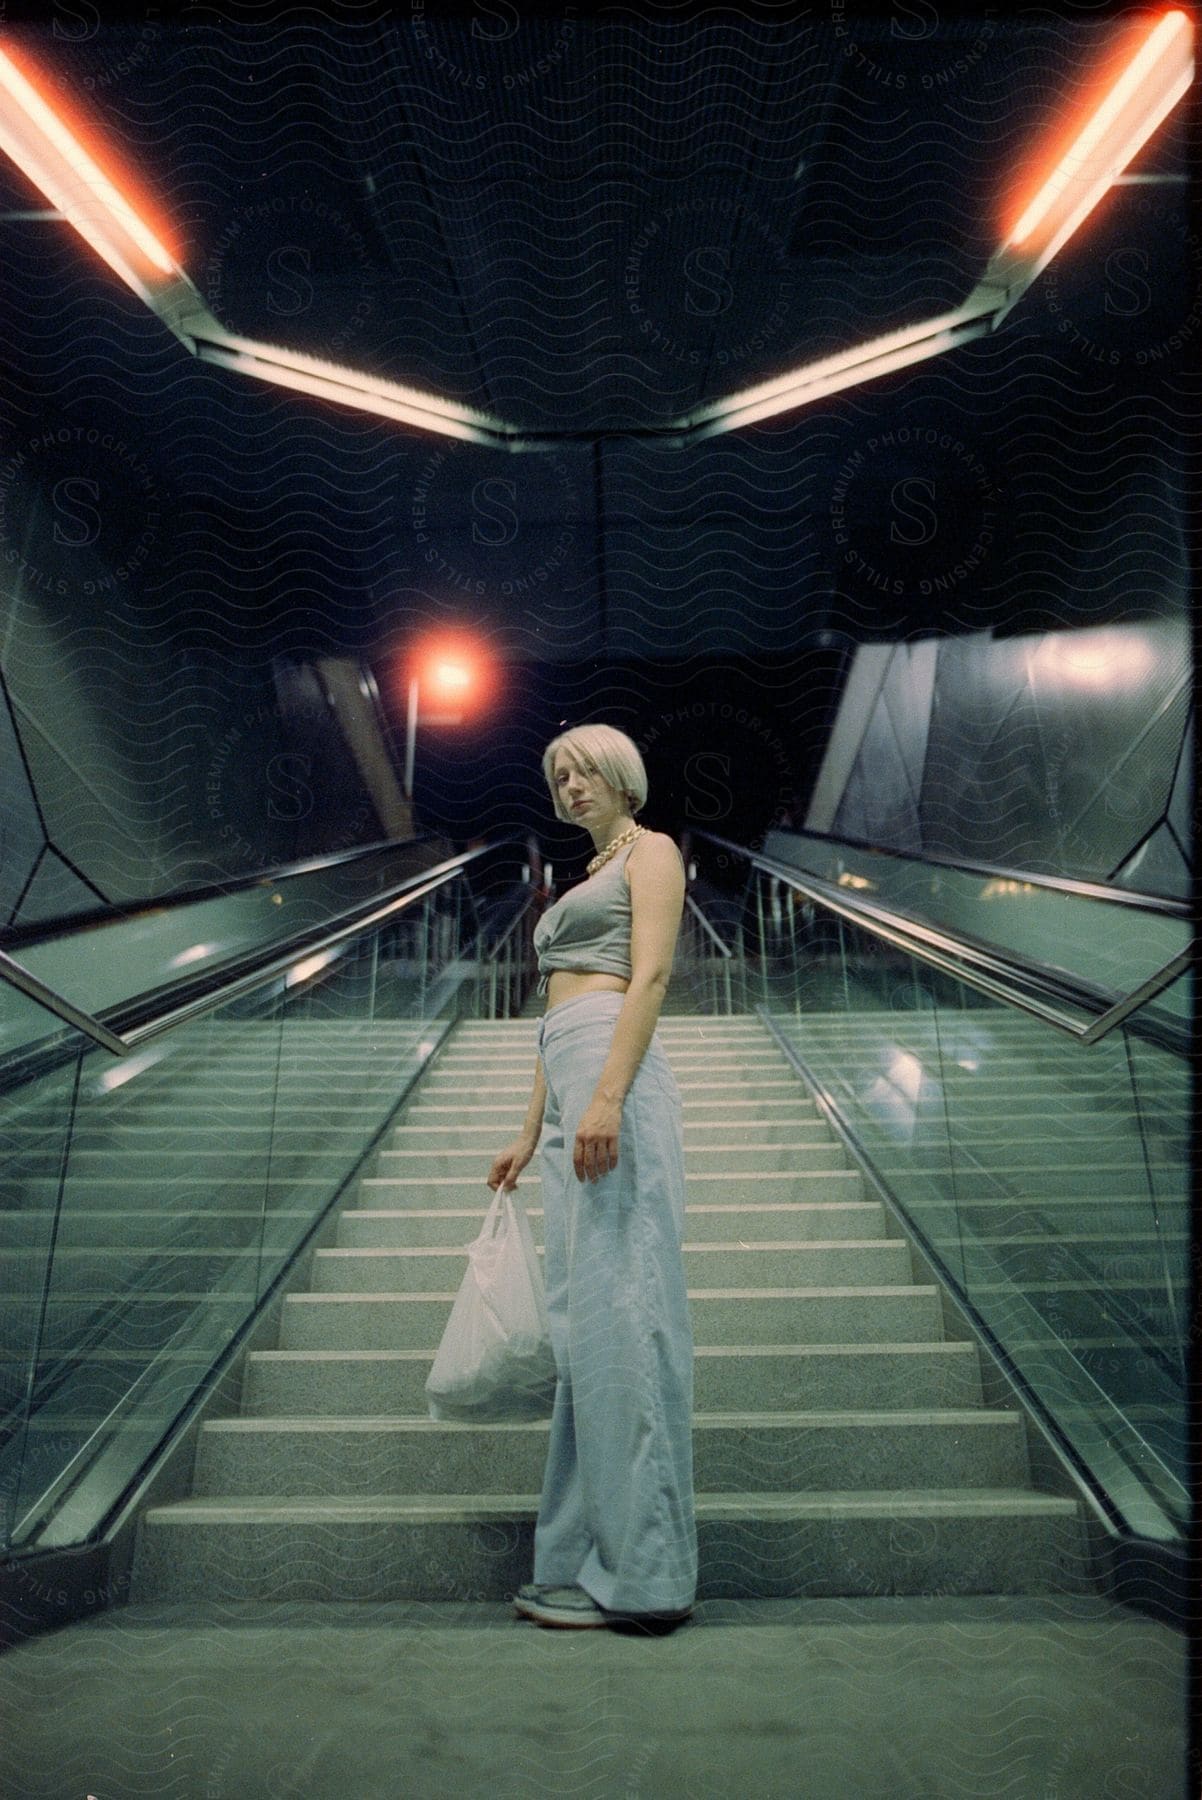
<point x="495" y="1362"/>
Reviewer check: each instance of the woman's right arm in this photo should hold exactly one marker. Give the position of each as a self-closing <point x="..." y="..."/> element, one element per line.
<point x="513" y="1159"/>
<point x="538" y="1100"/>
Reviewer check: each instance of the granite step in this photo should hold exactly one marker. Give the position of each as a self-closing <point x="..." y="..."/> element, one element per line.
<point x="797" y="1315"/>
<point x="745" y="1223"/>
<point x="794" y="1110"/>
<point x="767" y="1377"/>
<point x="773" y="1264"/>
<point x="833" y="1183"/>
<point x="390" y="1547"/>
<point x="782" y="1452"/>
<point x="747" y="1158"/>
<point x="737" y="1082"/>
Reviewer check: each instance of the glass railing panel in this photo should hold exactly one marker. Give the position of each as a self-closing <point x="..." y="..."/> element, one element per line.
<point x="355" y="1026"/>
<point x="35" y="1133"/>
<point x="155" y="1260"/>
<point x="504" y="963"/>
<point x="1162" y="1097"/>
<point x="864" y="1020"/>
<point x="1062" y="1253"/>
<point x="192" y="1171"/>
<point x="1109" y="944"/>
<point x="708" y="965"/>
<point x="112" y="960"/>
<point x="1046" y="1177"/>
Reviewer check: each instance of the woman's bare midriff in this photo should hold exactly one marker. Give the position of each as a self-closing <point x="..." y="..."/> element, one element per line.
<point x="566" y="984"/>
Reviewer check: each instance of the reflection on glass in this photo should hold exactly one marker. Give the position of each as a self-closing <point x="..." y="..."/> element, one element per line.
<point x="892" y="1098"/>
<point x="151" y="1202"/>
<point x="1045" y="1177"/>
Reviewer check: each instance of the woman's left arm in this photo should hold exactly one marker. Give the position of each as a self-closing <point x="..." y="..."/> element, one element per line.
<point x="657" y="887"/>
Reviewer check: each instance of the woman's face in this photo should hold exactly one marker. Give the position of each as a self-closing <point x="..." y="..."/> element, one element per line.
<point x="583" y="790"/>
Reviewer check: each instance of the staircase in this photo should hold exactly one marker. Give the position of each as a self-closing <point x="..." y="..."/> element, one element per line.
<point x="841" y="1443"/>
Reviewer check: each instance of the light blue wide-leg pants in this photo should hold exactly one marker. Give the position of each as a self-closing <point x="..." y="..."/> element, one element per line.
<point x="616" y="1513"/>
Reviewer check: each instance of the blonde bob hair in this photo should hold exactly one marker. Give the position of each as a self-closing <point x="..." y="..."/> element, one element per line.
<point x="612" y="754"/>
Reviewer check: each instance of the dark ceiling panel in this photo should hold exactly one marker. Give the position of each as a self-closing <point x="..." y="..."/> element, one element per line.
<point x="586" y="224"/>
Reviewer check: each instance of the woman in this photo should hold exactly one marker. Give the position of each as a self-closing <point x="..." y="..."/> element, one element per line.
<point x="616" y="1538"/>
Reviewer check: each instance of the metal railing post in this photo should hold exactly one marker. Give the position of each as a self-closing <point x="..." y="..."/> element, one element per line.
<point x="759" y="904"/>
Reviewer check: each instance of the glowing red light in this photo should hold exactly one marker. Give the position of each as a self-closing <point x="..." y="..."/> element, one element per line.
<point x="82" y="135"/>
<point x="1067" y="159"/>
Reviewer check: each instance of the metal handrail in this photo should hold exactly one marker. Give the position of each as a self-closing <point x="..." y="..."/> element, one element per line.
<point x="727" y="954"/>
<point x="20" y="977"/>
<point x="1061" y="884"/>
<point x="948" y="953"/>
<point x="264" y="967"/>
<point x="948" y="1273"/>
<point x="696" y="910"/>
<point x="516" y="920"/>
<point x="501" y="945"/>
<point x="37" y="931"/>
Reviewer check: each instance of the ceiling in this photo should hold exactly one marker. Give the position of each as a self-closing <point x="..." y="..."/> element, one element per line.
<point x="584" y="223"/>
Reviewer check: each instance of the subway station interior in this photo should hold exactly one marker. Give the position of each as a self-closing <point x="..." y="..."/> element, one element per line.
<point x="810" y="393"/>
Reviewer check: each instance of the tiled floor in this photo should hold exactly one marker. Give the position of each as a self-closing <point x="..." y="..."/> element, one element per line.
<point x="910" y="1699"/>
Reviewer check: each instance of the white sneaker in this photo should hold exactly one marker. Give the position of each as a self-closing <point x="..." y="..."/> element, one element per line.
<point x="566" y="1606"/>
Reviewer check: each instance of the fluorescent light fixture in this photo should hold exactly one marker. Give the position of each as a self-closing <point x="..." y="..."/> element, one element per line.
<point x="40" y="144"/>
<point x="1076" y="165"/>
<point x="1144" y="94"/>
<point x="1141" y="98"/>
<point x="1152" y="83"/>
<point x="349" y="387"/>
<point x="1156" y="77"/>
<point x="826" y="370"/>
<point x="813" y="381"/>
<point x="36" y="139"/>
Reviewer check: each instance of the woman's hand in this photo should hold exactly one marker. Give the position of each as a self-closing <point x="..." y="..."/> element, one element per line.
<point x="595" y="1151"/>
<point x="511" y="1161"/>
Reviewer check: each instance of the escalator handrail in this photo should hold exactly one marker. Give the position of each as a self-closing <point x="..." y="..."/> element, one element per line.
<point x="954" y="1277"/>
<point x="42" y="931"/>
<point x="520" y="911"/>
<point x="243" y="974"/>
<point x="693" y="907"/>
<point x="1015" y="983"/>
<point x="1061" y="884"/>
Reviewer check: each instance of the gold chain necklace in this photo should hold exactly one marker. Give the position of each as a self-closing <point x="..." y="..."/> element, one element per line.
<point x="629" y="836"/>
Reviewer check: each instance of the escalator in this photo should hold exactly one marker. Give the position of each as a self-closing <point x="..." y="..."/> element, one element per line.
<point x="936" y="1238"/>
<point x="1006" y="1056"/>
<point x="171" y="1143"/>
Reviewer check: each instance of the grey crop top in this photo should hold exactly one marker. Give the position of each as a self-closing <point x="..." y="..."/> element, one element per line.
<point x="589" y="926"/>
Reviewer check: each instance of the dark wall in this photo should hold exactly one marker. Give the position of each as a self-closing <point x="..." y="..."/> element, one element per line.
<point x="730" y="747"/>
<point x="134" y="761"/>
<point x="1059" y="752"/>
